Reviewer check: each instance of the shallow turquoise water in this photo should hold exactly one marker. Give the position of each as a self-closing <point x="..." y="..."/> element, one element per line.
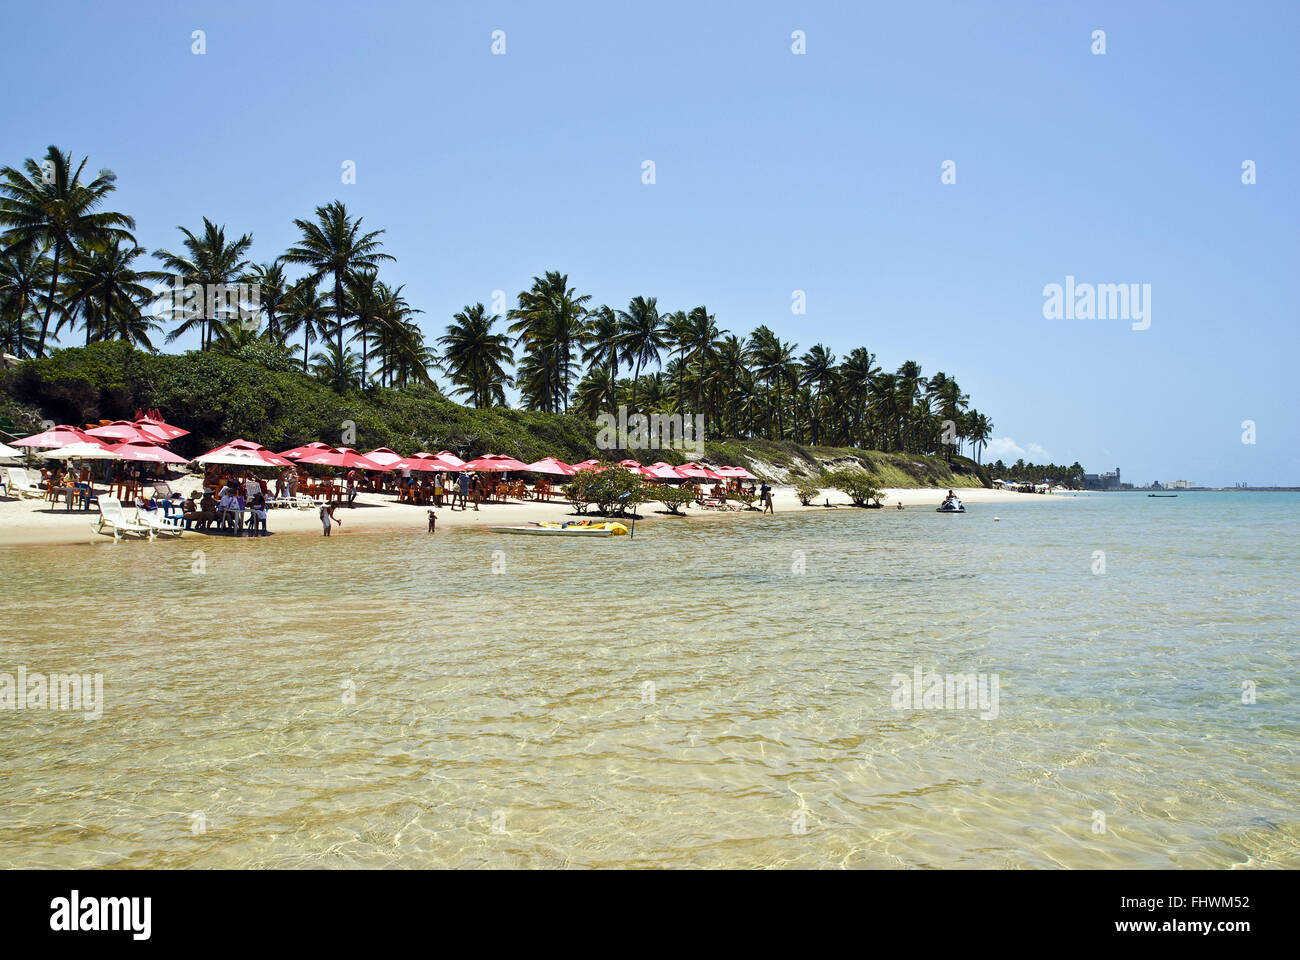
<point x="687" y="698"/>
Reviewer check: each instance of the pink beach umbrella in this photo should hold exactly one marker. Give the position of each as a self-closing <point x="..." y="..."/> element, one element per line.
<point x="242" y="453"/>
<point x="448" y="457"/>
<point x="550" y="465"/>
<point x="383" y="456"/>
<point x="426" y="464"/>
<point x="306" y="450"/>
<point x="155" y="427"/>
<point x="661" y="471"/>
<point x="736" y="473"/>
<point x="121" y="431"/>
<point x="694" y="470"/>
<point x="343" y="457"/>
<point x="60" y="436"/>
<point x="495" y="463"/>
<point x="592" y="464"/>
<point x="143" y="451"/>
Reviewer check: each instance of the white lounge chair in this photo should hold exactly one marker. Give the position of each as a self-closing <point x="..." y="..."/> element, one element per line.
<point x="20" y="485"/>
<point x="159" y="523"/>
<point x="111" y="516"/>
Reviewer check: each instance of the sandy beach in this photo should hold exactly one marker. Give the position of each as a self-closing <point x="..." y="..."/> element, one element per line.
<point x="42" y="522"/>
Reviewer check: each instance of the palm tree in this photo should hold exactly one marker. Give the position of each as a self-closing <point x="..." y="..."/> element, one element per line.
<point x="273" y="291"/>
<point x="980" y="430"/>
<point x="603" y="348"/>
<point x="677" y="337"/>
<point x="361" y="290"/>
<point x="643" y="337"/>
<point x="340" y="366"/>
<point x="700" y="333"/>
<point x="50" y="206"/>
<point x="856" y="373"/>
<point x="818" y="368"/>
<point x="305" y="309"/>
<point x="730" y="360"/>
<point x="403" y="354"/>
<point x="475" y="358"/>
<point x="110" y="294"/>
<point x="333" y="245"/>
<point x="210" y="261"/>
<point x="24" y="273"/>
<point x="550" y="321"/>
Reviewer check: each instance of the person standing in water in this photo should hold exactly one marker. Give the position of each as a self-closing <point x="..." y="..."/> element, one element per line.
<point x="327" y="515"/>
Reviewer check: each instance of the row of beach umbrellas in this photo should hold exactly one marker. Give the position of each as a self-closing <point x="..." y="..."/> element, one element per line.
<point x="144" y="440"/>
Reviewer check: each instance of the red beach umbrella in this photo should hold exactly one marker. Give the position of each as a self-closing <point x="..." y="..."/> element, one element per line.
<point x="383" y="455"/>
<point x="661" y="471"/>
<point x="495" y="463"/>
<point x="60" y="436"/>
<point x="448" y="457"/>
<point x="343" y="457"/>
<point x="121" y="431"/>
<point x="553" y="466"/>
<point x="630" y="464"/>
<point x="736" y="473"/>
<point x="427" y="464"/>
<point x="696" y="471"/>
<point x="153" y="424"/>
<point x="306" y="450"/>
<point x="145" y="452"/>
<point x="244" y="453"/>
<point x="592" y="464"/>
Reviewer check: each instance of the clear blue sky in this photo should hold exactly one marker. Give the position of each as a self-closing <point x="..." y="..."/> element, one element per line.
<point x="775" y="172"/>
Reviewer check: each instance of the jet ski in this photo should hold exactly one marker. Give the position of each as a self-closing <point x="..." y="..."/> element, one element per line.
<point x="951" y="506"/>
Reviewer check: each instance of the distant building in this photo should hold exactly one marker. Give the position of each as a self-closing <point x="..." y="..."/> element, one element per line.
<point x="1101" y="481"/>
<point x="1179" y="484"/>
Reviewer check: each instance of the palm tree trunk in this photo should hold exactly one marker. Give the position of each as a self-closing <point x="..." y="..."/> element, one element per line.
<point x="306" y="344"/>
<point x="49" y="306"/>
<point x="338" y="318"/>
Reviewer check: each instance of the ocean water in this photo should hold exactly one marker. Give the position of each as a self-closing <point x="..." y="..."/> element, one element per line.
<point x="708" y="694"/>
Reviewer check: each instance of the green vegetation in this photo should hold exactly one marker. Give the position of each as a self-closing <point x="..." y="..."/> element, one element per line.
<point x="610" y="491"/>
<point x="67" y="263"/>
<point x="806" y="492"/>
<point x="260" y="394"/>
<point x="673" y="497"/>
<point x="854" y="483"/>
<point x="1021" y="472"/>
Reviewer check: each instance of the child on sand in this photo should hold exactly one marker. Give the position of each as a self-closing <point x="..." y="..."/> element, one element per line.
<point x="433" y="519"/>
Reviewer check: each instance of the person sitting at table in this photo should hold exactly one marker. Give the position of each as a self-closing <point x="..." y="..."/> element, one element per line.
<point x="257" y="515"/>
<point x="206" y="512"/>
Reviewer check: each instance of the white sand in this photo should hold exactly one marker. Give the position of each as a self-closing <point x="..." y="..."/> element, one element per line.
<point x="39" y="521"/>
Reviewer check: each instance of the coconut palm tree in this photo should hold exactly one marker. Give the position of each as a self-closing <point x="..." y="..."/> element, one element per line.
<point x="110" y="294"/>
<point x="307" y="310"/>
<point x="333" y="245"/>
<point x="603" y="348"/>
<point x="550" y="323"/>
<point x="46" y="204"/>
<point x="24" y="275"/>
<point x="700" y="333"/>
<point x="272" y="291"/>
<point x="818" y="366"/>
<point x="643" y="337"/>
<point x="337" y="366"/>
<point x="212" y="262"/>
<point x="475" y="358"/>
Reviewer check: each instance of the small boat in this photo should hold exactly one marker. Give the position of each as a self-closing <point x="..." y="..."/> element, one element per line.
<point x="1162" y="494"/>
<point x="555" y="531"/>
<point x="571" y="528"/>
<point x="951" y="506"/>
